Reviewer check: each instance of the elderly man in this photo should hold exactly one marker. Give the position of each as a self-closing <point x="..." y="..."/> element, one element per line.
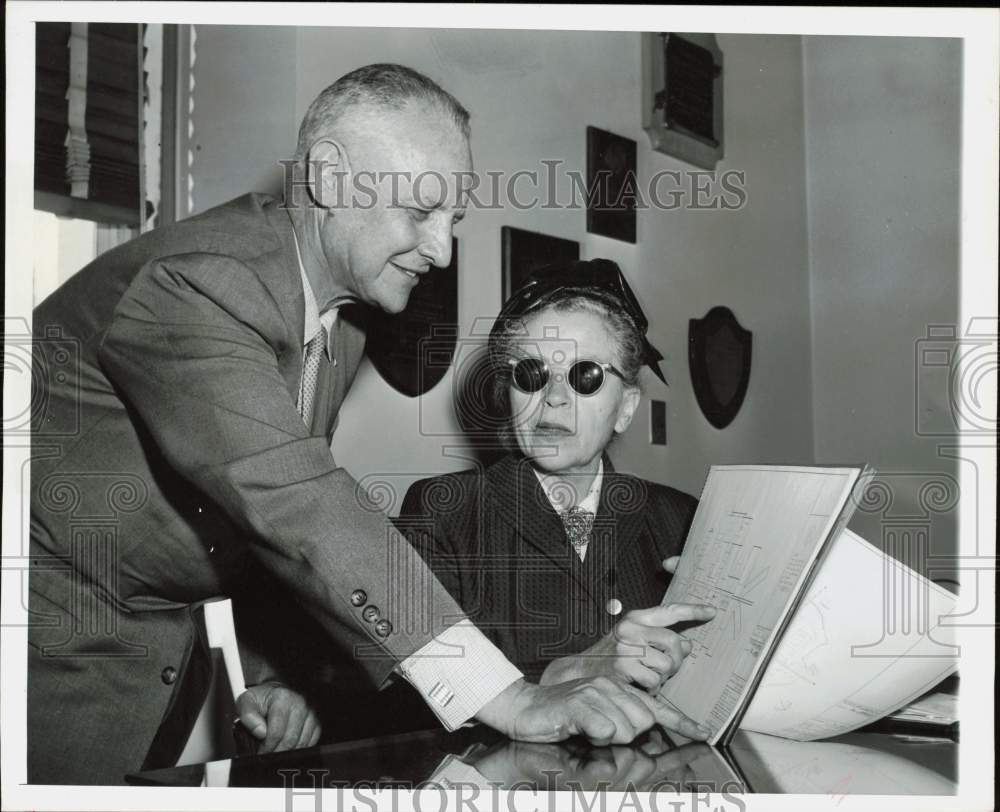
<point x="213" y="357"/>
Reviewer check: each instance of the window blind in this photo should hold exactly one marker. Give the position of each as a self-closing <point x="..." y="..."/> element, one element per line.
<point x="88" y="86"/>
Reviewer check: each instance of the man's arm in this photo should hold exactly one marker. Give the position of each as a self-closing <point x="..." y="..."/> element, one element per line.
<point x="193" y="350"/>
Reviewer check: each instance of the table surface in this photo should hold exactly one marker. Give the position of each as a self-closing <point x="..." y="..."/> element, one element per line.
<point x="865" y="762"/>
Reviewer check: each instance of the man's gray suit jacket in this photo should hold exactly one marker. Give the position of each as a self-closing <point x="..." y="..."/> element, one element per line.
<point x="168" y="454"/>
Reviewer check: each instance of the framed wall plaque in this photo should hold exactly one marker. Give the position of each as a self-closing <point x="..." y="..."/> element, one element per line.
<point x="522" y="252"/>
<point x="682" y="96"/>
<point x="720" y="352"/>
<point x="413" y="350"/>
<point x="611" y="185"/>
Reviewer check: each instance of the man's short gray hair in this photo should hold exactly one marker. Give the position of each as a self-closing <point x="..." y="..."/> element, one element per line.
<point x="382" y="86"/>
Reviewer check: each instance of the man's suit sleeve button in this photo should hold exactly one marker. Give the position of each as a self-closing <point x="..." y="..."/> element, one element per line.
<point x="383" y="628"/>
<point x="371" y="613"/>
<point x="169" y="675"/>
<point x="359" y="597"/>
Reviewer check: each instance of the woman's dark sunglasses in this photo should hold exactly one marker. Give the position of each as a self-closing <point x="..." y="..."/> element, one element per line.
<point x="586" y="377"/>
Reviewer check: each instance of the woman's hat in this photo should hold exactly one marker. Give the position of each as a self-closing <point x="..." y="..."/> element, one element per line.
<point x="602" y="274"/>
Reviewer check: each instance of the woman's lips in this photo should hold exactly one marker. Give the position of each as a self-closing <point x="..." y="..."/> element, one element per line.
<point x="552" y="430"/>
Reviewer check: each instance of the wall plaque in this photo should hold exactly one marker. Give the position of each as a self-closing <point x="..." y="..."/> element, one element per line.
<point x="682" y="96"/>
<point x="413" y="350"/>
<point x="525" y="251"/>
<point x="719" y="355"/>
<point x="611" y="185"/>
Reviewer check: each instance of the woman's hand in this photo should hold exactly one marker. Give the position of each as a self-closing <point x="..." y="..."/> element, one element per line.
<point x="641" y="648"/>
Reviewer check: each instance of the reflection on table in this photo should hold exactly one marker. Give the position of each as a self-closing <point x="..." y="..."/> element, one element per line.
<point x="857" y="763"/>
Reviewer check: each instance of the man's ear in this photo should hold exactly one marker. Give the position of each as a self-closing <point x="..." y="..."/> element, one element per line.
<point x="626" y="411"/>
<point x="327" y="169"/>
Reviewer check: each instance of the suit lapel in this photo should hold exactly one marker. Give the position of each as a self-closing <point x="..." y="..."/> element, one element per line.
<point x="279" y="271"/>
<point x="347" y="344"/>
<point x="323" y="409"/>
<point x="520" y="502"/>
<point x="617" y="526"/>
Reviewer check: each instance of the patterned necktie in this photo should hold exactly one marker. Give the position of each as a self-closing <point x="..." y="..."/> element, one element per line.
<point x="310" y="374"/>
<point x="578" y="523"/>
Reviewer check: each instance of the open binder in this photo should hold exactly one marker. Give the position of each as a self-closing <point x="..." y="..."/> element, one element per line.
<point x="794" y="650"/>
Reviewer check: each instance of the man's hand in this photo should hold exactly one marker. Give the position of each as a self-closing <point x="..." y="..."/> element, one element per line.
<point x="279" y="717"/>
<point x="605" y="710"/>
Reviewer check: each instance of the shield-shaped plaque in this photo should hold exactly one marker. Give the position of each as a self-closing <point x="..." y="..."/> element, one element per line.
<point x="719" y="352"/>
<point x="413" y="350"/>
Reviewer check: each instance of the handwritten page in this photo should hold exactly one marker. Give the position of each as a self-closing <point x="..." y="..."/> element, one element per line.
<point x="753" y="540"/>
<point x="866" y="640"/>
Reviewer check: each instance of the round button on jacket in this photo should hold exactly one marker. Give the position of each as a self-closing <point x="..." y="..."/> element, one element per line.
<point x="169" y="675"/>
<point x="383" y="628"/>
<point x="371" y="613"/>
<point x="359" y="597"/>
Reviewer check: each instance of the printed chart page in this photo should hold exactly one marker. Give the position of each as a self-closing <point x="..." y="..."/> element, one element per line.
<point x="857" y="764"/>
<point x="867" y="639"/>
<point x="756" y="532"/>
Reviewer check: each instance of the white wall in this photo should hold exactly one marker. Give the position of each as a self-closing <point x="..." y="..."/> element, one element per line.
<point x="61" y="247"/>
<point x="244" y="116"/>
<point x="753" y="260"/>
<point x="882" y="146"/>
<point x="532" y="95"/>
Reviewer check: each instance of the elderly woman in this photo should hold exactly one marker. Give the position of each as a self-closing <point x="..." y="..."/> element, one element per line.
<point x="553" y="553"/>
